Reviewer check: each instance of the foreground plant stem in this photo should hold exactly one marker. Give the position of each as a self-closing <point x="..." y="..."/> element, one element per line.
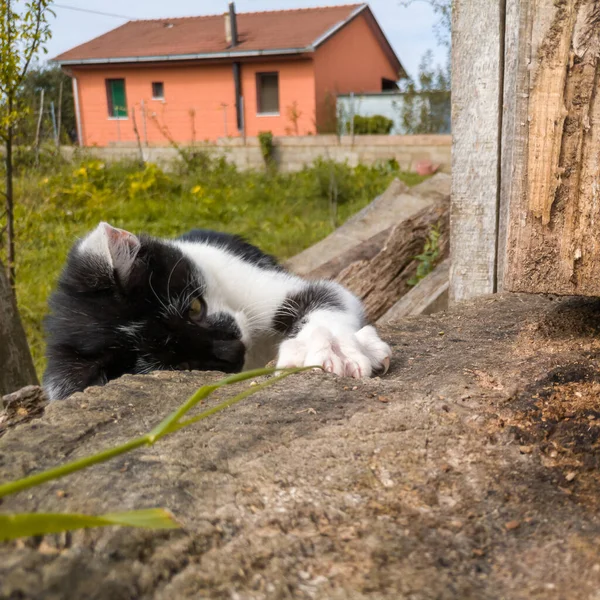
<point x="169" y="425"/>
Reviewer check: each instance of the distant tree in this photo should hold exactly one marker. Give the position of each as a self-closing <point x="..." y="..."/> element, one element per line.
<point x="24" y="30"/>
<point x="426" y="101"/>
<point x="57" y="86"/>
<point x="426" y="106"/>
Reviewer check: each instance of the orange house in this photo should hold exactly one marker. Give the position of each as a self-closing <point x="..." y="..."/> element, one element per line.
<point x="201" y="78"/>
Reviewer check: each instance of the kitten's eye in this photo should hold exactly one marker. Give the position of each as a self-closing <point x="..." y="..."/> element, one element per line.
<point x="196" y="311"/>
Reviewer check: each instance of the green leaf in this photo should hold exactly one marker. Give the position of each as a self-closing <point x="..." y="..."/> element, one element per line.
<point x="25" y="524"/>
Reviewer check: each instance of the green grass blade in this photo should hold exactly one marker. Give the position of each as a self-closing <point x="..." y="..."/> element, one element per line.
<point x="14" y="526"/>
<point x="12" y="487"/>
<point x="165" y="427"/>
<point x="227" y="403"/>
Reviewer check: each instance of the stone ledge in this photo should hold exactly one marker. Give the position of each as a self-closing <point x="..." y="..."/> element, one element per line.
<point x="448" y="478"/>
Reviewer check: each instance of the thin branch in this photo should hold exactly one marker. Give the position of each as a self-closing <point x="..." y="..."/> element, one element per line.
<point x="34" y="46"/>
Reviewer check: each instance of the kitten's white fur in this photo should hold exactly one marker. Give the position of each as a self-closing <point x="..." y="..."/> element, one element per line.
<point x="329" y="337"/>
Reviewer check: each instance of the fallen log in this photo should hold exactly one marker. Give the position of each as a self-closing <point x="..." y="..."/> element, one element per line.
<point x="428" y="296"/>
<point x="396" y="203"/>
<point x="363" y="251"/>
<point x="381" y="277"/>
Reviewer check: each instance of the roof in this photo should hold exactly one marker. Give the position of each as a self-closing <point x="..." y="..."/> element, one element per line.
<point x="277" y="32"/>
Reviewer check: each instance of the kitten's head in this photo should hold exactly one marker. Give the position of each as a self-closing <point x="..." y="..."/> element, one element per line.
<point x="132" y="305"/>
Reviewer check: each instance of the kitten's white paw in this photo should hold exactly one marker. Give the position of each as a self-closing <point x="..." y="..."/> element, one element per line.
<point x="357" y="355"/>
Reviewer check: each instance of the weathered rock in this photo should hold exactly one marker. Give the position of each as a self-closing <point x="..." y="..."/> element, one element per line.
<point x="21" y="406"/>
<point x="408" y="486"/>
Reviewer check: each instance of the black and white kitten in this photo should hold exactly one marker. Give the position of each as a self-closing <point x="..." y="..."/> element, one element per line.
<point x="207" y="300"/>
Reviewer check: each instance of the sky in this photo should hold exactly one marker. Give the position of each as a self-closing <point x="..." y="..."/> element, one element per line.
<point x="409" y="30"/>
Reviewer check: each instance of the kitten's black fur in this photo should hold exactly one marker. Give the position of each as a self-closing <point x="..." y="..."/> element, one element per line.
<point x="234" y="244"/>
<point x="207" y="301"/>
<point x="102" y="325"/>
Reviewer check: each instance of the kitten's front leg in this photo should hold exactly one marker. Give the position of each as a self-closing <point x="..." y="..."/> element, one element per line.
<point x="324" y="326"/>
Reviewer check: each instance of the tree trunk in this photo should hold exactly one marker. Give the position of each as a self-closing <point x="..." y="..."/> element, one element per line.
<point x="553" y="244"/>
<point x="10" y="200"/>
<point x="16" y="365"/>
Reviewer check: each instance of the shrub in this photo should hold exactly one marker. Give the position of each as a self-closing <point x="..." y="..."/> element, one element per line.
<point x="376" y="124"/>
<point x="265" y="139"/>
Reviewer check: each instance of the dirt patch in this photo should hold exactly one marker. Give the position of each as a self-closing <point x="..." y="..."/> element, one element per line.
<point x="559" y="417"/>
<point x="437" y="481"/>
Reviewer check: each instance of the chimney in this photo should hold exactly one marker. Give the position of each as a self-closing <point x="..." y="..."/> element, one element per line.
<point x="231" y="26"/>
<point x="228" y="28"/>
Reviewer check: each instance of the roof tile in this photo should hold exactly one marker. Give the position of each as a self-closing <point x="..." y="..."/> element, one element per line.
<point x="272" y="30"/>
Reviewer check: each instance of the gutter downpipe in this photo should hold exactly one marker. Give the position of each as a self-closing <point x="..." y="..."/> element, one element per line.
<point x="77" y="111"/>
<point x="237" y="72"/>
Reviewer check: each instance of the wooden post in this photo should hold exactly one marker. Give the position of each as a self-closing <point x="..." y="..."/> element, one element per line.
<point x="53" y="119"/>
<point x="59" y="116"/>
<point x="526" y="172"/>
<point x="551" y="158"/>
<point x="39" y="127"/>
<point x="477" y="76"/>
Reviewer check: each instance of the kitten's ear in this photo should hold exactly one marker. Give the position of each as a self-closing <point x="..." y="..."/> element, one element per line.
<point x="117" y="246"/>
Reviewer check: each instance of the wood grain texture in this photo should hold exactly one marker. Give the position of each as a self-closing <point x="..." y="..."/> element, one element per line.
<point x="380" y="280"/>
<point x="21" y="406"/>
<point x="363" y="251"/>
<point x="554" y="189"/>
<point x="430" y="295"/>
<point x="477" y="76"/>
<point x="517" y="50"/>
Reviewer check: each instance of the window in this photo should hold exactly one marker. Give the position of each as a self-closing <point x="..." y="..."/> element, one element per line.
<point x="267" y="93"/>
<point x="115" y="95"/>
<point x="158" y="90"/>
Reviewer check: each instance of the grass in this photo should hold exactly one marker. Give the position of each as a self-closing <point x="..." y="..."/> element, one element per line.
<point x="281" y="213"/>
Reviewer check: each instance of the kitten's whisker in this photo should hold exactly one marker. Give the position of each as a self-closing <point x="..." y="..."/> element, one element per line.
<point x="154" y="292"/>
<point x="169" y="279"/>
<point x="184" y="303"/>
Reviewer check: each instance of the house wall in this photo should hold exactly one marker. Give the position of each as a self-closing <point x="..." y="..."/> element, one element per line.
<point x="296" y="88"/>
<point x="199" y="102"/>
<point x="200" y="98"/>
<point x="193" y="101"/>
<point x="352" y="60"/>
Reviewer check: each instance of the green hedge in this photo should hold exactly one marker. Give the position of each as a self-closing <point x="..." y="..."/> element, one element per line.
<point x="376" y="124"/>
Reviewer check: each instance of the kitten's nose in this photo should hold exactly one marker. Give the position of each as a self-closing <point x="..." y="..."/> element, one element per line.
<point x="231" y="352"/>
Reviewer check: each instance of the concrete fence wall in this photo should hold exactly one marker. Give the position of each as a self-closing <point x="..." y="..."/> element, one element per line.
<point x="293" y="153"/>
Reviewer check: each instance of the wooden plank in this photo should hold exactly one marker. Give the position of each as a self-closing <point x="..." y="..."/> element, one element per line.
<point x="430" y="295"/>
<point x="554" y="165"/>
<point x="517" y="52"/>
<point x="477" y="74"/>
